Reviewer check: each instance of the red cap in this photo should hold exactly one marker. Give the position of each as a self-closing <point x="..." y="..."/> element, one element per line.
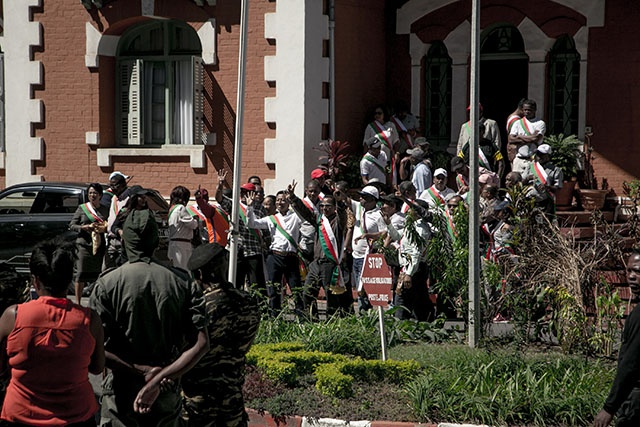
<point x="479" y="106"/>
<point x="248" y="186"/>
<point x="317" y="173"/>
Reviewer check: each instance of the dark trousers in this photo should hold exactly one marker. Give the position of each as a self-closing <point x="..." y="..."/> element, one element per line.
<point x="414" y="301"/>
<point x="629" y="413"/>
<point x="251" y="268"/>
<point x="91" y="422"/>
<point x="319" y="276"/>
<point x="287" y="267"/>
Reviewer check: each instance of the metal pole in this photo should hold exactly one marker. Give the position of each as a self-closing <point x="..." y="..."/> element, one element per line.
<point x="383" y="338"/>
<point x="332" y="70"/>
<point x="237" y="147"/>
<point x="474" y="229"/>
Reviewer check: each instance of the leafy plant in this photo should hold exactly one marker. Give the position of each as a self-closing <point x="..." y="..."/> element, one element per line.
<point x="566" y="153"/>
<point x="335" y="156"/>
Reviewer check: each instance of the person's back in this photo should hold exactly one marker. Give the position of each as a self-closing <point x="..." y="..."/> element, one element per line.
<point x="50" y="335"/>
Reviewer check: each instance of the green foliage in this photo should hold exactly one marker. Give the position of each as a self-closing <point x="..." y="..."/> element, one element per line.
<point x="566" y="153"/>
<point x="506" y="388"/>
<point x="332" y="382"/>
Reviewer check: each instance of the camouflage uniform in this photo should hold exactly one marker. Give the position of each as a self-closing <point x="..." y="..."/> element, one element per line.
<point x="212" y="390"/>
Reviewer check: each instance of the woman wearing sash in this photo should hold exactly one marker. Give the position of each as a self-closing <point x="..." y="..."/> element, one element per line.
<point x="387" y="134"/>
<point x="89" y="222"/>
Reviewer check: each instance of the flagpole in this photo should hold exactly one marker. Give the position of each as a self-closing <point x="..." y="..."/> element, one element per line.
<point x="237" y="147"/>
<point x="474" y="226"/>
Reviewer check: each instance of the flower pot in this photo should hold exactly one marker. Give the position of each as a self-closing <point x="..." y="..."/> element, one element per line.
<point x="564" y="196"/>
<point x="592" y="199"/>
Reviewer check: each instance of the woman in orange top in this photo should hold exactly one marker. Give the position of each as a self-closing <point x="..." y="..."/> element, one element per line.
<point x="52" y="344"/>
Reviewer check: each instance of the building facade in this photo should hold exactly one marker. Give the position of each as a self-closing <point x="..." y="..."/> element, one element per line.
<point x="149" y="87"/>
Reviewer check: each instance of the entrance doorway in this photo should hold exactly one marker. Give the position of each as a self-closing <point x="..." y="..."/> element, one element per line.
<point x="504" y="73"/>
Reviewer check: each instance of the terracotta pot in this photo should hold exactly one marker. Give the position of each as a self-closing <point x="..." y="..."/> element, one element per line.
<point x="592" y="199"/>
<point x="564" y="196"/>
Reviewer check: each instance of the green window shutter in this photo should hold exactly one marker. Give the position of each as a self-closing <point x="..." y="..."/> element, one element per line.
<point x="198" y="99"/>
<point x="130" y="102"/>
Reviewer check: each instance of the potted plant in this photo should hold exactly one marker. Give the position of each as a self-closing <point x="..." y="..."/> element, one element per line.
<point x="591" y="198"/>
<point x="566" y="153"/>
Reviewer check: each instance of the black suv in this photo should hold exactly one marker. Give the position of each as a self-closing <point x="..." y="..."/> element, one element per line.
<point x="36" y="211"/>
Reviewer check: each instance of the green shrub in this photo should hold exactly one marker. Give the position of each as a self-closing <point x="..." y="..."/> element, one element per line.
<point x="330" y="381"/>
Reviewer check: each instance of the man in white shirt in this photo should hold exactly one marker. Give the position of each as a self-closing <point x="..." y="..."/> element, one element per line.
<point x="528" y="130"/>
<point x="282" y="260"/>
<point x="369" y="226"/>
<point x="438" y="193"/>
<point x="374" y="162"/>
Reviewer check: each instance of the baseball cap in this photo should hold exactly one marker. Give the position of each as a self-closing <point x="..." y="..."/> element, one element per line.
<point x="457" y="163"/>
<point x="544" y="149"/>
<point x="370" y="190"/>
<point x="441" y="171"/>
<point x="421" y="141"/>
<point x="317" y="173"/>
<point x="416" y="153"/>
<point x="117" y="173"/>
<point x="373" y="142"/>
<point x="248" y="187"/>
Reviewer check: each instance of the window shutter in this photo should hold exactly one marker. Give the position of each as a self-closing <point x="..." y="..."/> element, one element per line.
<point x="130" y="123"/>
<point x="198" y="100"/>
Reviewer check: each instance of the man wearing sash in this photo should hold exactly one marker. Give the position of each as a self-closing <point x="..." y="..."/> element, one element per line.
<point x="528" y="130"/>
<point x="331" y="227"/>
<point x="369" y="226"/>
<point x="284" y="251"/>
<point x="374" y="162"/>
<point x="436" y="195"/>
<point x="547" y="179"/>
<point x="421" y="176"/>
<point x="407" y="191"/>
<point x="489" y="130"/>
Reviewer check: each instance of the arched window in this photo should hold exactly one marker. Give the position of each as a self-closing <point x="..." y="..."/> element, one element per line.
<point x="564" y="90"/>
<point x="159" y="85"/>
<point x="438" y="96"/>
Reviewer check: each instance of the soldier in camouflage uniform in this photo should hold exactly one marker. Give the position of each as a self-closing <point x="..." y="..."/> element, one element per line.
<point x="212" y="390"/>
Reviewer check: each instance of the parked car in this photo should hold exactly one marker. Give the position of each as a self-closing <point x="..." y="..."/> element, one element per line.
<point x="36" y="211"/>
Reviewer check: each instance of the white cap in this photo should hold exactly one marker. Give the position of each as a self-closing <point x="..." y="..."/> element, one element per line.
<point x="370" y="190"/>
<point x="441" y="171"/>
<point x="544" y="149"/>
<point x="117" y="173"/>
<point x="523" y="152"/>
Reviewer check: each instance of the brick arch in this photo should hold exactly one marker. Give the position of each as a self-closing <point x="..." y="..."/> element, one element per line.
<point x="552" y="18"/>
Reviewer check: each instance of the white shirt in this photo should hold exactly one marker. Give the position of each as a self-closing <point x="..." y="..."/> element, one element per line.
<point x="290" y="223"/>
<point x="421" y="178"/>
<point x="181" y="224"/>
<point x="370" y="170"/>
<point x="534" y="125"/>
<point x="427" y="197"/>
<point x="369" y="222"/>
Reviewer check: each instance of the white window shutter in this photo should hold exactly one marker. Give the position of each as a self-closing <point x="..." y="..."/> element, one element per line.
<point x="130" y="125"/>
<point x="198" y="100"/>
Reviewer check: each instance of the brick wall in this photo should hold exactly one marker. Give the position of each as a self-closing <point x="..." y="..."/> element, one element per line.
<point x="77" y="99"/>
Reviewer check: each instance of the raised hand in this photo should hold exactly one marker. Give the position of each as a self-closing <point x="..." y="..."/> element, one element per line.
<point x="222" y="176"/>
<point x="291" y="188"/>
<point x="249" y="198"/>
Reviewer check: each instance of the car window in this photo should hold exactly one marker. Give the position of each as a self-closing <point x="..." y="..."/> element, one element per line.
<point x="19" y="202"/>
<point x="57" y="201"/>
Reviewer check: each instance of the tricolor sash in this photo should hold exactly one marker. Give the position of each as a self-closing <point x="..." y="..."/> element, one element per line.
<point x="382" y="133"/>
<point x="482" y="158"/>
<point x="461" y="181"/>
<point x="511" y="121"/>
<point x="276" y="222"/>
<point x="436" y="196"/>
<point x="451" y="227"/>
<point x="373" y="160"/>
<point x="525" y="126"/>
<point x="310" y="205"/>
<point x="538" y="171"/>
<point x="405" y="207"/>
<point x="173" y="208"/>
<point x="195" y="212"/>
<point x="91" y="213"/>
<point x="330" y="247"/>
<point x="403" y="130"/>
